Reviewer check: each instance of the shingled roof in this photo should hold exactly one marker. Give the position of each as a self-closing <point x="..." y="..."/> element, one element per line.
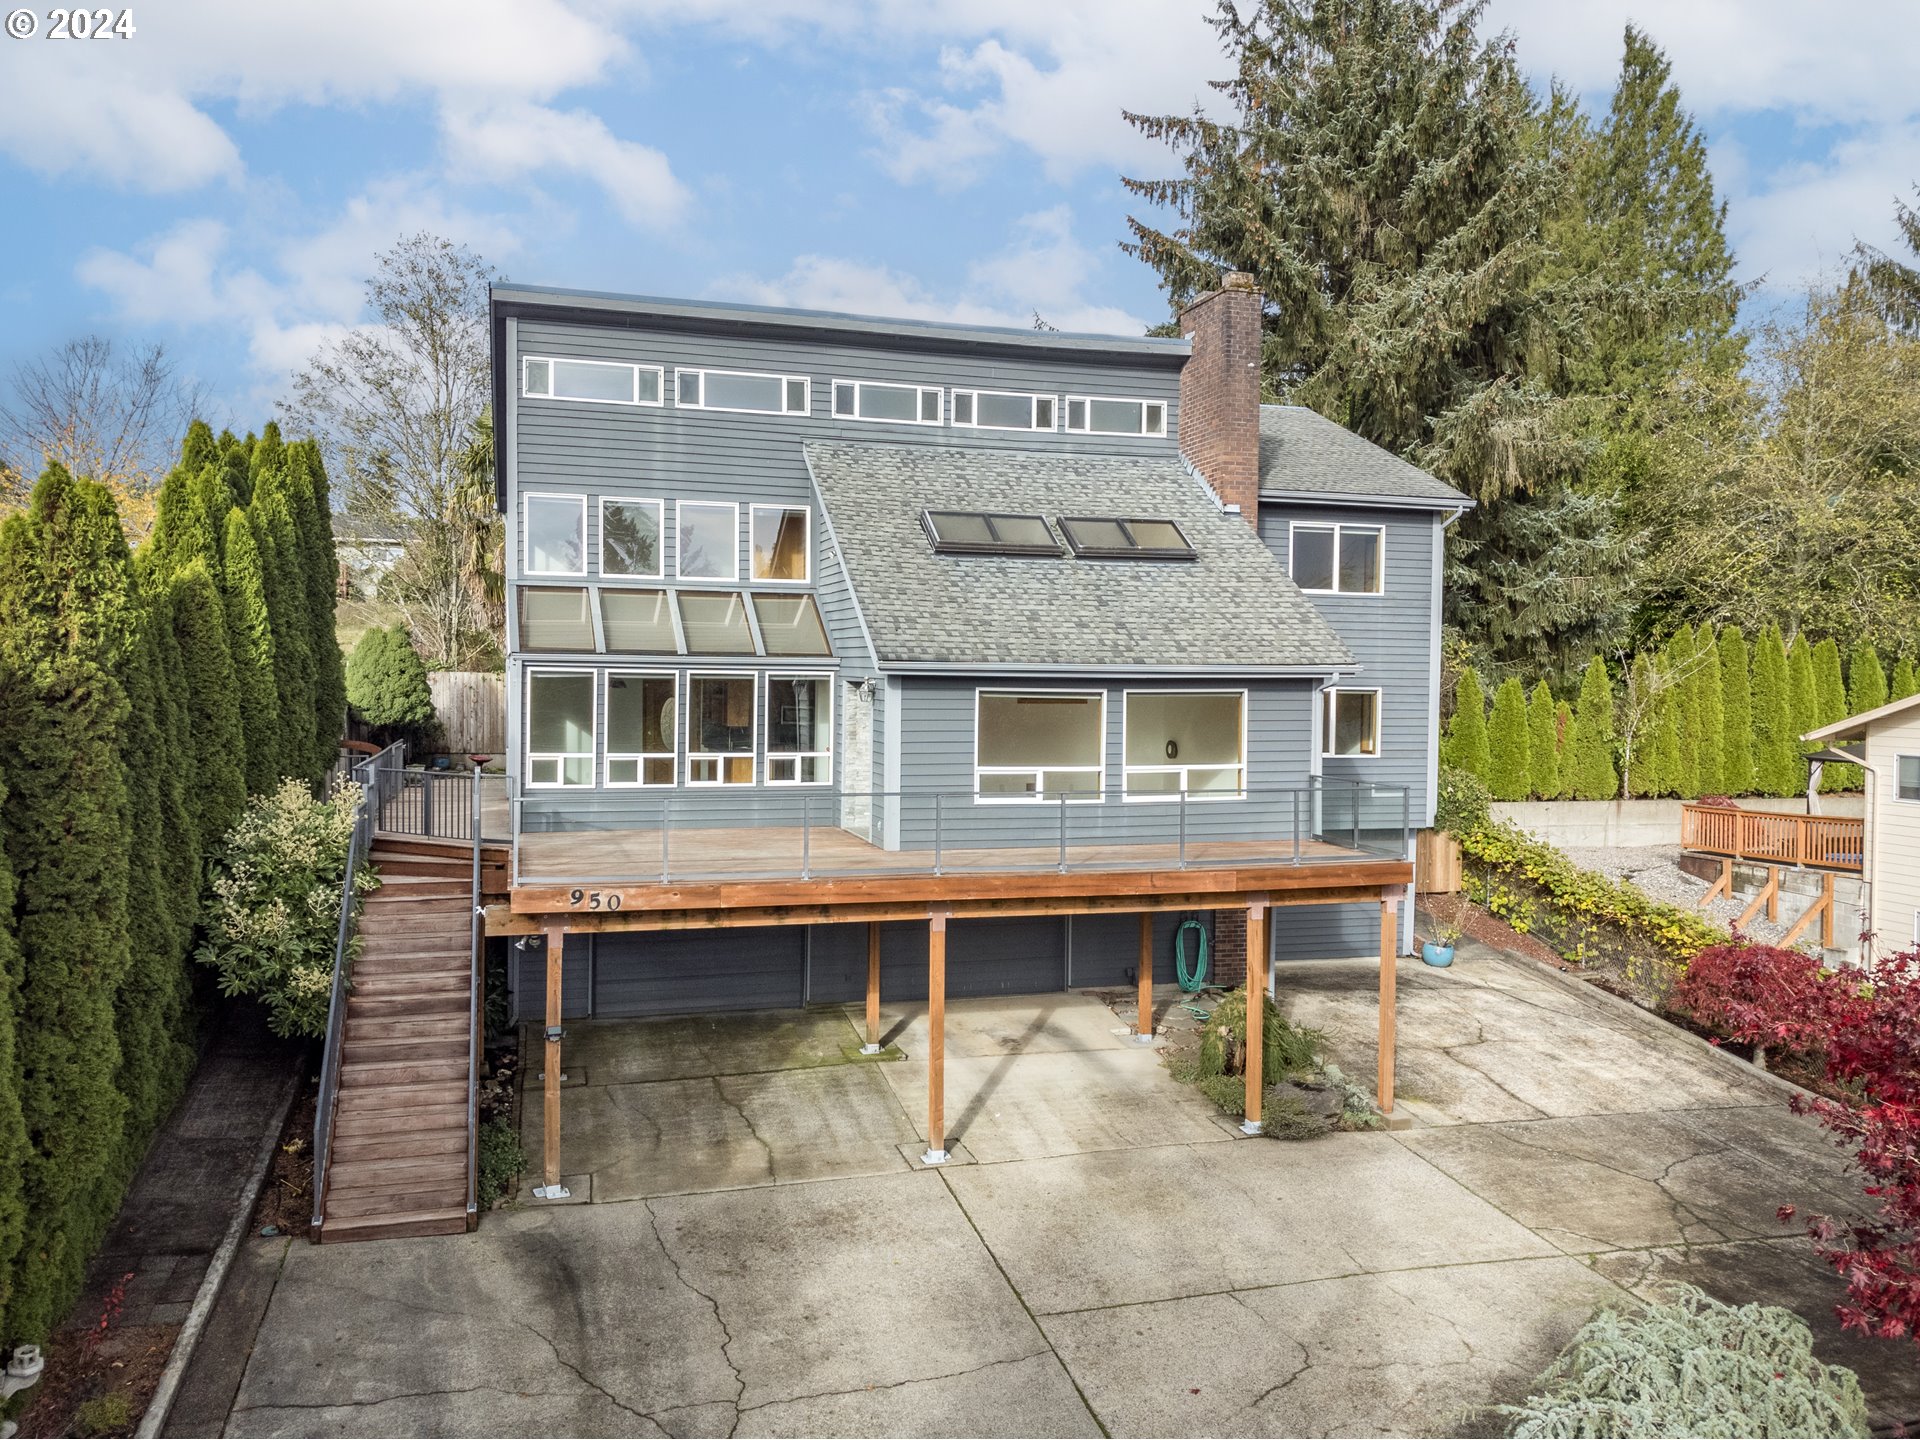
<point x="1231" y="608"/>
<point x="1302" y="453"/>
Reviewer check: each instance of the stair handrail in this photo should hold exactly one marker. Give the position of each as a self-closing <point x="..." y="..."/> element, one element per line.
<point x="478" y="1024"/>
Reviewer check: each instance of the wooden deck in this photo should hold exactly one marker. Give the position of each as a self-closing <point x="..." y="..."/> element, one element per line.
<point x="1821" y="842"/>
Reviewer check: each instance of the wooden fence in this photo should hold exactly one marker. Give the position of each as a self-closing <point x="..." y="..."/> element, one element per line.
<point x="1829" y="842"/>
<point x="472" y="706"/>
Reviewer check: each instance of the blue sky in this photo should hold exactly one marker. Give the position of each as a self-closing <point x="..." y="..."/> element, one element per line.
<point x="222" y="180"/>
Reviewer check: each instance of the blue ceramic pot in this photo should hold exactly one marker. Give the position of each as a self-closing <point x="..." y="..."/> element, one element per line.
<point x="1436" y="955"/>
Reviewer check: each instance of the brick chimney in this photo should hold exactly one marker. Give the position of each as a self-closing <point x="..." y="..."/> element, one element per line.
<point x="1220" y="391"/>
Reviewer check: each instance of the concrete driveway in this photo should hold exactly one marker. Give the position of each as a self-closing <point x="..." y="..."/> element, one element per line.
<point x="756" y="1251"/>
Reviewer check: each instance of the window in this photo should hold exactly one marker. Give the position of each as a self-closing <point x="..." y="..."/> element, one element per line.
<point x="1907" y="785"/>
<point x="559" y="727"/>
<point x="778" y="541"/>
<point x="1038" y="746"/>
<point x="966" y="532"/>
<point x="720" y="729"/>
<point x="799" y="729"/>
<point x="1192" y="741"/>
<point x="630" y="538"/>
<point x="709" y="541"/>
<point x="871" y="400"/>
<point x="603" y="382"/>
<point x="637" y="622"/>
<point x="1002" y="410"/>
<point x="1337" y="559"/>
<point x="555" y="620"/>
<point x="1350" y="723"/>
<point x="554" y="534"/>
<point x="715" y="623"/>
<point x="743" y="390"/>
<point x="642" y="710"/>
<point x="790" y="625"/>
<point x="1094" y="415"/>
<point x="1126" y="539"/>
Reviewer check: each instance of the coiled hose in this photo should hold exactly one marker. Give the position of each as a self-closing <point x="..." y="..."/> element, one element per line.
<point x="1192" y="977"/>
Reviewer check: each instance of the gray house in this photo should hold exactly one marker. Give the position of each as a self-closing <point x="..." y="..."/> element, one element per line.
<point x="840" y="646"/>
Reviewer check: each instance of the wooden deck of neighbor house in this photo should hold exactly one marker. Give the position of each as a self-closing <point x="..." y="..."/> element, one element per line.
<point x="1830" y="844"/>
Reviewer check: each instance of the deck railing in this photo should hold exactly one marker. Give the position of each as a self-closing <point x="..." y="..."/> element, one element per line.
<point x="479" y="1018"/>
<point x="1825" y="842"/>
<point x="612" y="837"/>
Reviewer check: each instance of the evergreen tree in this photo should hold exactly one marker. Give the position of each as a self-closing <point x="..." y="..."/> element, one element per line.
<point x="1704" y="695"/>
<point x="1905" y="680"/>
<point x="1591" y="748"/>
<point x="387" y="685"/>
<point x="1824" y="701"/>
<point x="1689" y="738"/>
<point x="216" y="739"/>
<point x="199" y="449"/>
<point x="1649" y="702"/>
<point x="1466" y="746"/>
<point x="13" y="1127"/>
<point x="182" y="529"/>
<point x="1378" y="173"/>
<point x="1667" y="725"/>
<point x="249" y="629"/>
<point x="1866" y="681"/>
<point x="1736" y="689"/>
<point x="67" y="622"/>
<point x="286" y="588"/>
<point x="1776" y="743"/>
<point x="1563" y="722"/>
<point x="313" y="512"/>
<point x="1509" y="763"/>
<point x="1543" y="743"/>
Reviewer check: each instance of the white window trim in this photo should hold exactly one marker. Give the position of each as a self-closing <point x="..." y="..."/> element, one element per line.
<point x="1162" y="798"/>
<point x="756" y="579"/>
<point x="1898" y="798"/>
<point x="752" y="753"/>
<point x="659" y="373"/>
<point x="1329" y="703"/>
<point x="679" y="531"/>
<point x="1033" y="400"/>
<point x="1142" y="401"/>
<point x="660" y="516"/>
<point x="529" y="755"/>
<point x="702" y="371"/>
<point x="1339" y="529"/>
<point x="766" y="728"/>
<point x="920" y="396"/>
<point x="1040" y="797"/>
<point x="527" y="497"/>
<point x="609" y="755"/>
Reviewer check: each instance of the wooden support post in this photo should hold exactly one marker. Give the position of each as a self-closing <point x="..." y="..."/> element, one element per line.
<point x="1388" y="959"/>
<point x="1826" y="914"/>
<point x="872" y="1046"/>
<point x="1722" y="886"/>
<point x="1769" y="896"/>
<point x="1256" y="1035"/>
<point x="1143" y="1022"/>
<point x="936" y="1038"/>
<point x="550" y="1086"/>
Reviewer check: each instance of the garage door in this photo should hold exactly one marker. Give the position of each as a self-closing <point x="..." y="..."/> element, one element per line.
<point x="1020" y="956"/>
<point x="686" y="972"/>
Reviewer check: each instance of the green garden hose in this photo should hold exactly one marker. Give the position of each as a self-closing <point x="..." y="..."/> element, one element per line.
<point x="1193" y="977"/>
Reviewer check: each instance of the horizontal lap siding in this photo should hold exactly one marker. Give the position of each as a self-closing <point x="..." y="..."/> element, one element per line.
<point x="530" y="980"/>
<point x="691" y="972"/>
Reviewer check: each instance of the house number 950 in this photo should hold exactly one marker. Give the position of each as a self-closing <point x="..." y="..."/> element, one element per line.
<point x="593" y="899"/>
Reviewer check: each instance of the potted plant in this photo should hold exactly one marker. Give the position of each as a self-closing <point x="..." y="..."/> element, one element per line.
<point x="1439" y="950"/>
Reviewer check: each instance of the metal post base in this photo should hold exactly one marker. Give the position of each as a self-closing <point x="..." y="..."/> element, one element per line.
<point x="934" y="1157"/>
<point x="551" y="1192"/>
<point x="1144" y="1037"/>
<point x="869" y="1049"/>
<point x="1247" y="1127"/>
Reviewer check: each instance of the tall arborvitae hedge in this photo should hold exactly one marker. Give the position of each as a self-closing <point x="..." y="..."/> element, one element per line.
<point x="1827" y="702"/>
<point x="1465" y="744"/>
<point x="1647" y="703"/>
<point x="1509" y="769"/>
<point x="313" y="513"/>
<point x="216" y="740"/>
<point x="286" y="591"/>
<point x="1866" y="681"/>
<point x="1704" y="696"/>
<point x="1590" y="757"/>
<point x="1678" y="659"/>
<point x="1736" y="699"/>
<point x="1563" y="723"/>
<point x="13" y="1126"/>
<point x="1667" y="724"/>
<point x="1905" y="681"/>
<point x="1776" y="743"/>
<point x="1543" y="743"/>
<point x="250" y="634"/>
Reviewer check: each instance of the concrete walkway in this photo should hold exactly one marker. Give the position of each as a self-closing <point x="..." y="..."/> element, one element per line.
<point x="755" y="1251"/>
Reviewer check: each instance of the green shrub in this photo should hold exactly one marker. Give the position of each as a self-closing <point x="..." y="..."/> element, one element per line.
<point x="1290" y="1050"/>
<point x="387" y="685"/>
<point x="275" y="910"/>
<point x="1509" y="773"/>
<point x="501" y="1160"/>
<point x="1543" y="743"/>
<point x="1465" y="745"/>
<point x="1589" y="765"/>
<point x="1462" y="803"/>
<point x="108" y="1414"/>
<point x="1692" y="1367"/>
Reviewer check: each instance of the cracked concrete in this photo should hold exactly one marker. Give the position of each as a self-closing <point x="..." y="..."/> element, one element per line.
<point x="761" y="1259"/>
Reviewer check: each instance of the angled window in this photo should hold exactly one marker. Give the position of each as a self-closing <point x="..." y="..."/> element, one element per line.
<point x="790" y="625"/>
<point x="1337" y="559"/>
<point x="708" y="545"/>
<point x="555" y="620"/>
<point x="778" y="540"/>
<point x="750" y="392"/>
<point x="601" y="382"/>
<point x="799" y="729"/>
<point x="1191" y="741"/>
<point x="630" y="535"/>
<point x="1003" y="410"/>
<point x="715" y="623"/>
<point x="1907" y="786"/>
<point x="1099" y="415"/>
<point x="1350" y="724"/>
<point x="553" y="531"/>
<point x="898" y="404"/>
<point x="1039" y="746"/>
<point x="642" y="713"/>
<point x="720" y="729"/>
<point x="637" y="622"/>
<point x="974" y="532"/>
<point x="1126" y="539"/>
<point x="560" y="727"/>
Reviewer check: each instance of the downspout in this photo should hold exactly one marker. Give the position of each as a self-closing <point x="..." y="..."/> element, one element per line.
<point x="1439" y="589"/>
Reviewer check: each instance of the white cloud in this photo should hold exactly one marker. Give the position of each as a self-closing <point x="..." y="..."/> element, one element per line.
<point x="502" y="143"/>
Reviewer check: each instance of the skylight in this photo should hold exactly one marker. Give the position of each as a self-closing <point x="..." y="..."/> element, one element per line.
<point x="976" y="532"/>
<point x="1133" y="539"/>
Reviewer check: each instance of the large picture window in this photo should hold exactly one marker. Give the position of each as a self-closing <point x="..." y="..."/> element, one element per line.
<point x="799" y="729"/>
<point x="554" y="535"/>
<point x="720" y="712"/>
<point x="1039" y="745"/>
<point x="1350" y="724"/>
<point x="1191" y="742"/>
<point x="630" y="539"/>
<point x="1337" y="559"/>
<point x="642" y="718"/>
<point x="778" y="540"/>
<point x="709" y="540"/>
<point x="560" y="727"/>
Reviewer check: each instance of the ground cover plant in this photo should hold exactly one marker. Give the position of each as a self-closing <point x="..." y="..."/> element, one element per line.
<point x="1303" y="1097"/>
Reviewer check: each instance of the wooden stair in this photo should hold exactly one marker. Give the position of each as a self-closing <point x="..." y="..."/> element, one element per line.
<point x="398" y="1160"/>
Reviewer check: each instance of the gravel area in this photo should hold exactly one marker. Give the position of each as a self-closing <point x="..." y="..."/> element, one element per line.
<point x="1655" y="871"/>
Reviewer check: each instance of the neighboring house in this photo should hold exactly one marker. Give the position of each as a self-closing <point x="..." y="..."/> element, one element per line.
<point x="1887" y="742"/>
<point x="366" y="552"/>
<point x="865" y="633"/>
